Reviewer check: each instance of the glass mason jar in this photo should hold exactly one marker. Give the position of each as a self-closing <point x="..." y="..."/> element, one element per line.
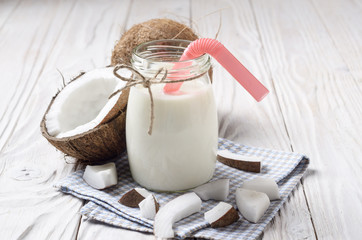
<point x="181" y="151"/>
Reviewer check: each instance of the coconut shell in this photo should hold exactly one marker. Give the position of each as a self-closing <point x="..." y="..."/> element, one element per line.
<point x="131" y="199"/>
<point x="241" y="165"/>
<point x="154" y="29"/>
<point x="105" y="141"/>
<point x="157" y="205"/>
<point x="119" y="107"/>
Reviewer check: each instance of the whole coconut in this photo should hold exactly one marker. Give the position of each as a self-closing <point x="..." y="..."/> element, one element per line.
<point x="154" y="29"/>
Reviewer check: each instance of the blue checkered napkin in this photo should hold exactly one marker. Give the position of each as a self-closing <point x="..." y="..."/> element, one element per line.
<point x="286" y="168"/>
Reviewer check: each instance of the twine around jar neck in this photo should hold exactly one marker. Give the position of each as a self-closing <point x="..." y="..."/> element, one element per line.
<point x="139" y="79"/>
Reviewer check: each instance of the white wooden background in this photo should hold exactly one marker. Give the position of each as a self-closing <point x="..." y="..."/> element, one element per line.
<point x="307" y="52"/>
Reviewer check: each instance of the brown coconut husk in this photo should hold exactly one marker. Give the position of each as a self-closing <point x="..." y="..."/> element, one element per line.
<point x="154" y="29"/>
<point x="96" y="146"/>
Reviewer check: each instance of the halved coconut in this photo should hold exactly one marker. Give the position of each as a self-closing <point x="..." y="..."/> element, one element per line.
<point x="83" y="121"/>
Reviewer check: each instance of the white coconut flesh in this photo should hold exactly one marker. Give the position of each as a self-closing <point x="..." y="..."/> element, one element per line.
<point x="84" y="103"/>
<point x="175" y="210"/>
<point x="217" y="212"/>
<point x="217" y="190"/>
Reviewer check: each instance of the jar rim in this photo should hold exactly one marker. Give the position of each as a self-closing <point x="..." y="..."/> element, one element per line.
<point x="135" y="50"/>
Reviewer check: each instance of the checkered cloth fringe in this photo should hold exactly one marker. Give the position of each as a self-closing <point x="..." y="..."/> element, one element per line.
<point x="284" y="167"/>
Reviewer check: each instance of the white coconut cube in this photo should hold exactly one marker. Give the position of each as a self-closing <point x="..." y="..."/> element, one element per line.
<point x="148" y="207"/>
<point x="251" y="204"/>
<point x="101" y="176"/>
<point x="216" y="190"/>
<point x="265" y="185"/>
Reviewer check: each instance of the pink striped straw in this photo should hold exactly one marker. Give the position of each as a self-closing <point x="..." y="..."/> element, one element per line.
<point x="227" y="60"/>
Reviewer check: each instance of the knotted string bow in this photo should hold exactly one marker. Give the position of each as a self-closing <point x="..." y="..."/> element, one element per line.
<point x="146" y="82"/>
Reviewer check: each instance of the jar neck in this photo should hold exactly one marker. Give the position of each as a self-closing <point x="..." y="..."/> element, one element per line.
<point x="148" y="58"/>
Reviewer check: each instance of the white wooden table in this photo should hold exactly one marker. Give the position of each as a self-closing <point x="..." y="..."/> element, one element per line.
<point x="307" y="52"/>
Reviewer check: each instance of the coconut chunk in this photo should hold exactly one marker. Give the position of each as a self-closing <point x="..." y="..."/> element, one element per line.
<point x="221" y="215"/>
<point x="252" y="205"/>
<point x="265" y="185"/>
<point x="217" y="190"/>
<point x="149" y="207"/>
<point x="133" y="197"/>
<point x="242" y="162"/>
<point x="101" y="176"/>
<point x="175" y="210"/>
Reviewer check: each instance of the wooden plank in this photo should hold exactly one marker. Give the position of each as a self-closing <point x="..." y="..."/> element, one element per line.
<point x="90" y="229"/>
<point x="29" y="201"/>
<point x="321" y="104"/>
<point x="6" y="10"/>
<point x="23" y="39"/>
<point x="240" y="117"/>
<point x="342" y="20"/>
<point x="60" y="43"/>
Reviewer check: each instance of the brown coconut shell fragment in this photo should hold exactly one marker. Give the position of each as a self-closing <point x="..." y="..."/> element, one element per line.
<point x="157" y="205"/>
<point x="245" y="163"/>
<point x="230" y="217"/>
<point x="105" y="141"/>
<point x="132" y="198"/>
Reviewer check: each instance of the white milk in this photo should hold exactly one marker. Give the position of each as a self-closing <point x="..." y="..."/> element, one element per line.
<point x="181" y="152"/>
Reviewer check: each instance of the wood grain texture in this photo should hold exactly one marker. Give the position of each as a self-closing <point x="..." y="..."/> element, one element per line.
<point x="28" y="202"/>
<point x="241" y="118"/>
<point x="6" y="10"/>
<point x="28" y="40"/>
<point x="321" y="106"/>
<point x="342" y="20"/>
<point x="29" y="165"/>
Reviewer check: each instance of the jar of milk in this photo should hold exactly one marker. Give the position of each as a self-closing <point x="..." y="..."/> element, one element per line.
<point x="181" y="151"/>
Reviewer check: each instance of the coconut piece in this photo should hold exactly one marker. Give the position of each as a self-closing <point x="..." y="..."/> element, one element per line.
<point x="81" y="120"/>
<point x="101" y="176"/>
<point x="133" y="197"/>
<point x="149" y="207"/>
<point x="242" y="162"/>
<point x="175" y="210"/>
<point x="217" y="190"/>
<point x="251" y="204"/>
<point x="221" y="215"/>
<point x="265" y="185"/>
